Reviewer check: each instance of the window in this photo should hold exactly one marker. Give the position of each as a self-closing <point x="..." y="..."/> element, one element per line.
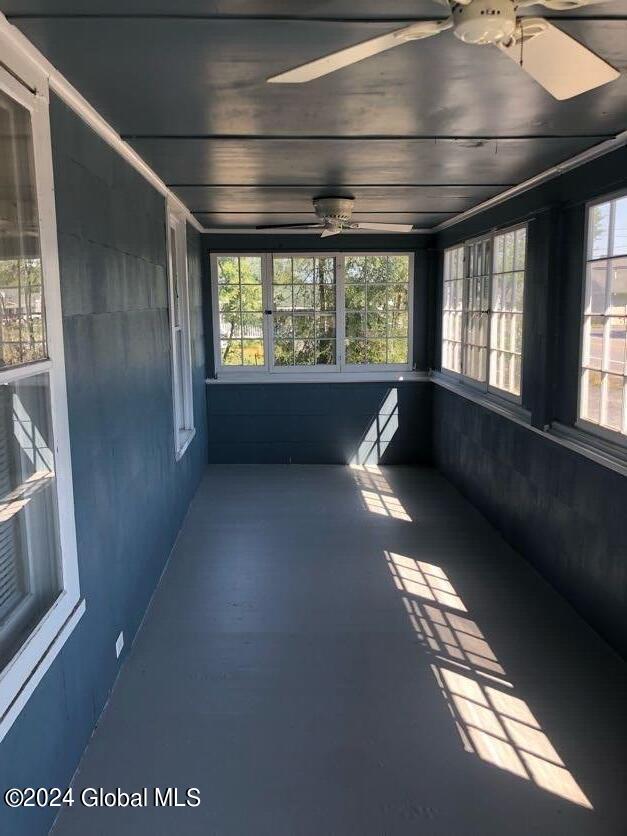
<point x="39" y="591"/>
<point x="303" y="300"/>
<point x="377" y="310"/>
<point x="324" y="312"/>
<point x="180" y="335"/>
<point x="452" y="309"/>
<point x="603" y="387"/>
<point x="482" y="310"/>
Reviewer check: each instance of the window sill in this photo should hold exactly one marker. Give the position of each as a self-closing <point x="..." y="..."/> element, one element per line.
<point x="599" y="450"/>
<point x="186" y="440"/>
<point x="321" y="377"/>
<point x="503" y="406"/>
<point x="40" y="667"/>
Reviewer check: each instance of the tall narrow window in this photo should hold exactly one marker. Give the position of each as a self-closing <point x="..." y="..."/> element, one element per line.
<point x="603" y="388"/>
<point x="39" y="592"/>
<point x="240" y="303"/>
<point x="304" y="310"/>
<point x="377" y="310"/>
<point x="506" y="315"/>
<point x="183" y="407"/>
<point x="452" y="309"/>
<point x="476" y="312"/>
<point x="482" y="310"/>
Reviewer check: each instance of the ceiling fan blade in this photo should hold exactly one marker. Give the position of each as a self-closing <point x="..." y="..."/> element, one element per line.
<point x="352" y="54"/>
<point x="560" y="5"/>
<point x="563" y="66"/>
<point x="330" y="230"/>
<point x="290" y="226"/>
<point x="383" y="227"/>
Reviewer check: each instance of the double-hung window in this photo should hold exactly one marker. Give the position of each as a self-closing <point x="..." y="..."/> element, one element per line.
<point x="39" y="588"/>
<point x="183" y="407"/>
<point x="603" y="378"/>
<point x="482" y="311"/>
<point x="323" y="312"/>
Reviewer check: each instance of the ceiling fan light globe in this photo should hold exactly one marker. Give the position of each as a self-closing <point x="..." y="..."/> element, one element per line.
<point x="484" y="21"/>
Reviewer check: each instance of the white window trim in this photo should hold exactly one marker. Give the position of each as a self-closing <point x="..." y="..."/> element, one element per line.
<point x="460" y="377"/>
<point x="588" y="427"/>
<point x="21" y="675"/>
<point x="183" y="413"/>
<point x="340" y="370"/>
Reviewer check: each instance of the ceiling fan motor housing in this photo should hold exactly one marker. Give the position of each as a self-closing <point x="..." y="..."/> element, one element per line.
<point x="334" y="210"/>
<point x="484" y="21"/>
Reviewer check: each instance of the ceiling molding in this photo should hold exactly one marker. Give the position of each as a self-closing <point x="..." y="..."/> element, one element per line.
<point x="70" y="95"/>
<point x="619" y="141"/>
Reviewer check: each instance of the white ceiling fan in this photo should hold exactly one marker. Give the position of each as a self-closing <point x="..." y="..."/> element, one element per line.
<point x="564" y="67"/>
<point x="335" y="217"/>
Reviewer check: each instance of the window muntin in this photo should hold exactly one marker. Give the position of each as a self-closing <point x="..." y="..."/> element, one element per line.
<point x="452" y="309"/>
<point x="304" y="301"/>
<point x="39" y="598"/>
<point x="240" y="303"/>
<point x="603" y="383"/>
<point x="180" y="338"/>
<point x="482" y="310"/>
<point x="376" y="309"/>
<point x="322" y="312"/>
<point x="506" y="314"/>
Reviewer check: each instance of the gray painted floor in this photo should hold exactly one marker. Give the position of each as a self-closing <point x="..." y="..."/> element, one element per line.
<point x="297" y="665"/>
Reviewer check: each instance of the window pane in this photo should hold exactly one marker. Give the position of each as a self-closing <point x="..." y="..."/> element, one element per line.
<point x="240" y="302"/>
<point x="304" y="297"/>
<point x="22" y="322"/>
<point x="618" y="286"/>
<point x="613" y="402"/>
<point x="604" y="338"/>
<point x="252" y="352"/>
<point x="30" y="573"/>
<point x="376" y="302"/>
<point x="599" y="230"/>
<point x="595" y="286"/>
<point x="591" y="400"/>
<point x="619" y="239"/>
<point x="616" y="338"/>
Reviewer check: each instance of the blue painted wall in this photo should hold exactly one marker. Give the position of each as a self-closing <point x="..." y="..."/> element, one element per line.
<point x="319" y="423"/>
<point x="130" y="494"/>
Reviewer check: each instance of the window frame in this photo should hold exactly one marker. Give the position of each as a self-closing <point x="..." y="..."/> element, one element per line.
<point x="462" y="378"/>
<point x="183" y="413"/>
<point x="22" y="673"/>
<point x="595" y="430"/>
<point x="340" y="367"/>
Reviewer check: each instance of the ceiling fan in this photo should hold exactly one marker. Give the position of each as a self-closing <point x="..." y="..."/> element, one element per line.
<point x="334" y="215"/>
<point x="564" y="67"/>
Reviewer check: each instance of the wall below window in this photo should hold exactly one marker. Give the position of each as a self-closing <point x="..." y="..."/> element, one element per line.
<point x="320" y="423"/>
<point x="561" y="511"/>
<point x="130" y="494"/>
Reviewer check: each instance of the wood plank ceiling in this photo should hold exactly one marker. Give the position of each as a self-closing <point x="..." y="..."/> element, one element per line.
<point x="417" y="134"/>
